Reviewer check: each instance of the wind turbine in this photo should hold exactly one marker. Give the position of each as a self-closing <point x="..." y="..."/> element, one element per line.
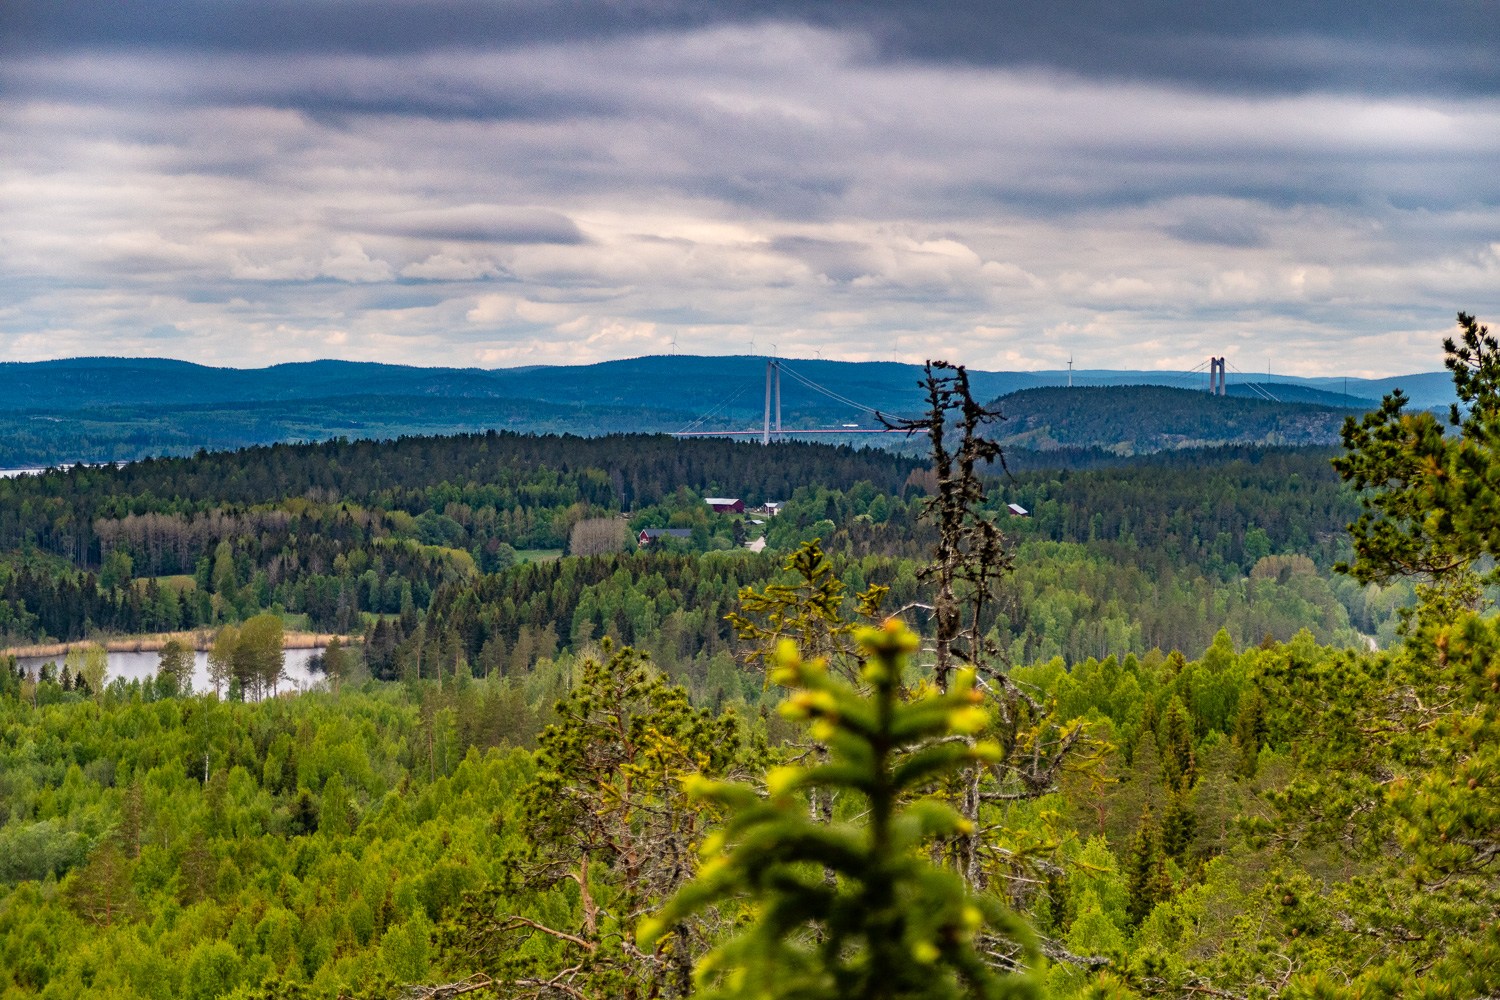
<point x="672" y="347"/>
<point x="1070" y="371"/>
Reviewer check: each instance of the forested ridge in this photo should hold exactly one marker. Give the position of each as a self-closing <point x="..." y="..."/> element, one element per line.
<point x="1135" y="744"/>
<point x="336" y="532"/>
<point x="1145" y="418"/>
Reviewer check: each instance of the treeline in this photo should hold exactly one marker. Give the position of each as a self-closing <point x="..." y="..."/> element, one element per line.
<point x="502" y="472"/>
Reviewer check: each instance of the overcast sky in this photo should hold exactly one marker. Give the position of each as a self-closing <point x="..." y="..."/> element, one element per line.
<point x="1134" y="183"/>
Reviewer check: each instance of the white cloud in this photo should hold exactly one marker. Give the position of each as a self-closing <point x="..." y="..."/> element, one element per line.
<point x="765" y="182"/>
<point x="442" y="267"/>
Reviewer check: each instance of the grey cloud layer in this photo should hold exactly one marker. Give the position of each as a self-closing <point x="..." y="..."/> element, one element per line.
<point x="762" y="182"/>
<point x="1271" y="45"/>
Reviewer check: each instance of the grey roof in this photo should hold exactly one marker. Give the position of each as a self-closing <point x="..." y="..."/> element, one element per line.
<point x="672" y="532"/>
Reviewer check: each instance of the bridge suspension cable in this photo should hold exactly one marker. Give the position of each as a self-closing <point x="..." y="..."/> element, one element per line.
<point x="692" y="429"/>
<point x="1177" y="382"/>
<point x="692" y="426"/>
<point x="827" y="392"/>
<point x="1254" y="387"/>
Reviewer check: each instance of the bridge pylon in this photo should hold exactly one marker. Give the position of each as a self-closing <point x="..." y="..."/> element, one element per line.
<point x="773" y="380"/>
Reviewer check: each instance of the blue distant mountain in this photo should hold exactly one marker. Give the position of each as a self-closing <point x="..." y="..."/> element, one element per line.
<point x="690" y="384"/>
<point x="118" y="409"/>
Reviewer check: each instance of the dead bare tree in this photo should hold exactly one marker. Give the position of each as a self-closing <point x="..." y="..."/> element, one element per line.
<point x="970" y="548"/>
<point x="970" y="559"/>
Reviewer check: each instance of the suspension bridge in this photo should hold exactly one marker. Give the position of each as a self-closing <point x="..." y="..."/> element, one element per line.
<point x="771" y="429"/>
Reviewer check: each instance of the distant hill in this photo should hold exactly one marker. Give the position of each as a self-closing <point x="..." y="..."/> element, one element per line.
<point x="1132" y="420"/>
<point x="101" y="409"/>
<point x="686" y="383"/>
<point x="1288" y="392"/>
<point x="126" y="433"/>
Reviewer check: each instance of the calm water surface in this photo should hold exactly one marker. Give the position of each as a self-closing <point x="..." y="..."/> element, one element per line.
<point x="142" y="666"/>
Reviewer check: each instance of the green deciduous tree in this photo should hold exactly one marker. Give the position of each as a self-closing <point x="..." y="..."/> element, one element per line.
<point x="93" y="667"/>
<point x="335" y="809"/>
<point x="259" y="662"/>
<point x="115" y="571"/>
<point x="176" y="662"/>
<point x="221" y="657"/>
<point x="336" y="663"/>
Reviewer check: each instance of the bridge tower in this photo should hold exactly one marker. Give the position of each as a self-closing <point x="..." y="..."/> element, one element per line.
<point x="773" y="381"/>
<point x="1216" y="377"/>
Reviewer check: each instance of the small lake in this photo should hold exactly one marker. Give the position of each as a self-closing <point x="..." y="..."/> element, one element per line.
<point x="39" y="469"/>
<point x="142" y="666"/>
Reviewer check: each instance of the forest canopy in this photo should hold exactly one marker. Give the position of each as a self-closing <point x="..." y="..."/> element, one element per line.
<point x="1142" y="741"/>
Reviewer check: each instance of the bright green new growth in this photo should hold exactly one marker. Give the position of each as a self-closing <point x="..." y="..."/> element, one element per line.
<point x="852" y="910"/>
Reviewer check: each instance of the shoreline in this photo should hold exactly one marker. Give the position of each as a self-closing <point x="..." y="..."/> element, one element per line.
<point x="202" y="640"/>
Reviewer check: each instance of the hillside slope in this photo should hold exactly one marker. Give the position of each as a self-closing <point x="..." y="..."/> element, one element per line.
<point x="1142" y="419"/>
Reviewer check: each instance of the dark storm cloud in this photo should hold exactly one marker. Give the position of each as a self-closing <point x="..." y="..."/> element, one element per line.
<point x="1384" y="46"/>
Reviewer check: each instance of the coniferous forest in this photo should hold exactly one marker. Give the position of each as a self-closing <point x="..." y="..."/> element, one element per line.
<point x="1216" y="724"/>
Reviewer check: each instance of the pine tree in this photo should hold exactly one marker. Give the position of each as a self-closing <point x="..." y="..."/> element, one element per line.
<point x="609" y="814"/>
<point x="132" y="819"/>
<point x="1178" y="760"/>
<point x="1249" y="731"/>
<point x="1145" y="868"/>
<point x="101" y="890"/>
<point x="1143" y="793"/>
<point x="887" y="924"/>
<point x="1180" y="824"/>
<point x="1429" y="495"/>
<point x="1217" y="799"/>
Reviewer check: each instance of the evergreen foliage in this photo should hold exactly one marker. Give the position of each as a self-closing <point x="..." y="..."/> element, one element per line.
<point x="852" y="911"/>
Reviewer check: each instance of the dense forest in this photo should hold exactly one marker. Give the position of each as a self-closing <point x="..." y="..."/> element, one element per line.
<point x="1133" y="743"/>
<point x="337" y="534"/>
<point x="1135" y="419"/>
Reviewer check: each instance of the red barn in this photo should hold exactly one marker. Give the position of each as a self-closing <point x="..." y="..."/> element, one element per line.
<point x="725" y="505"/>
